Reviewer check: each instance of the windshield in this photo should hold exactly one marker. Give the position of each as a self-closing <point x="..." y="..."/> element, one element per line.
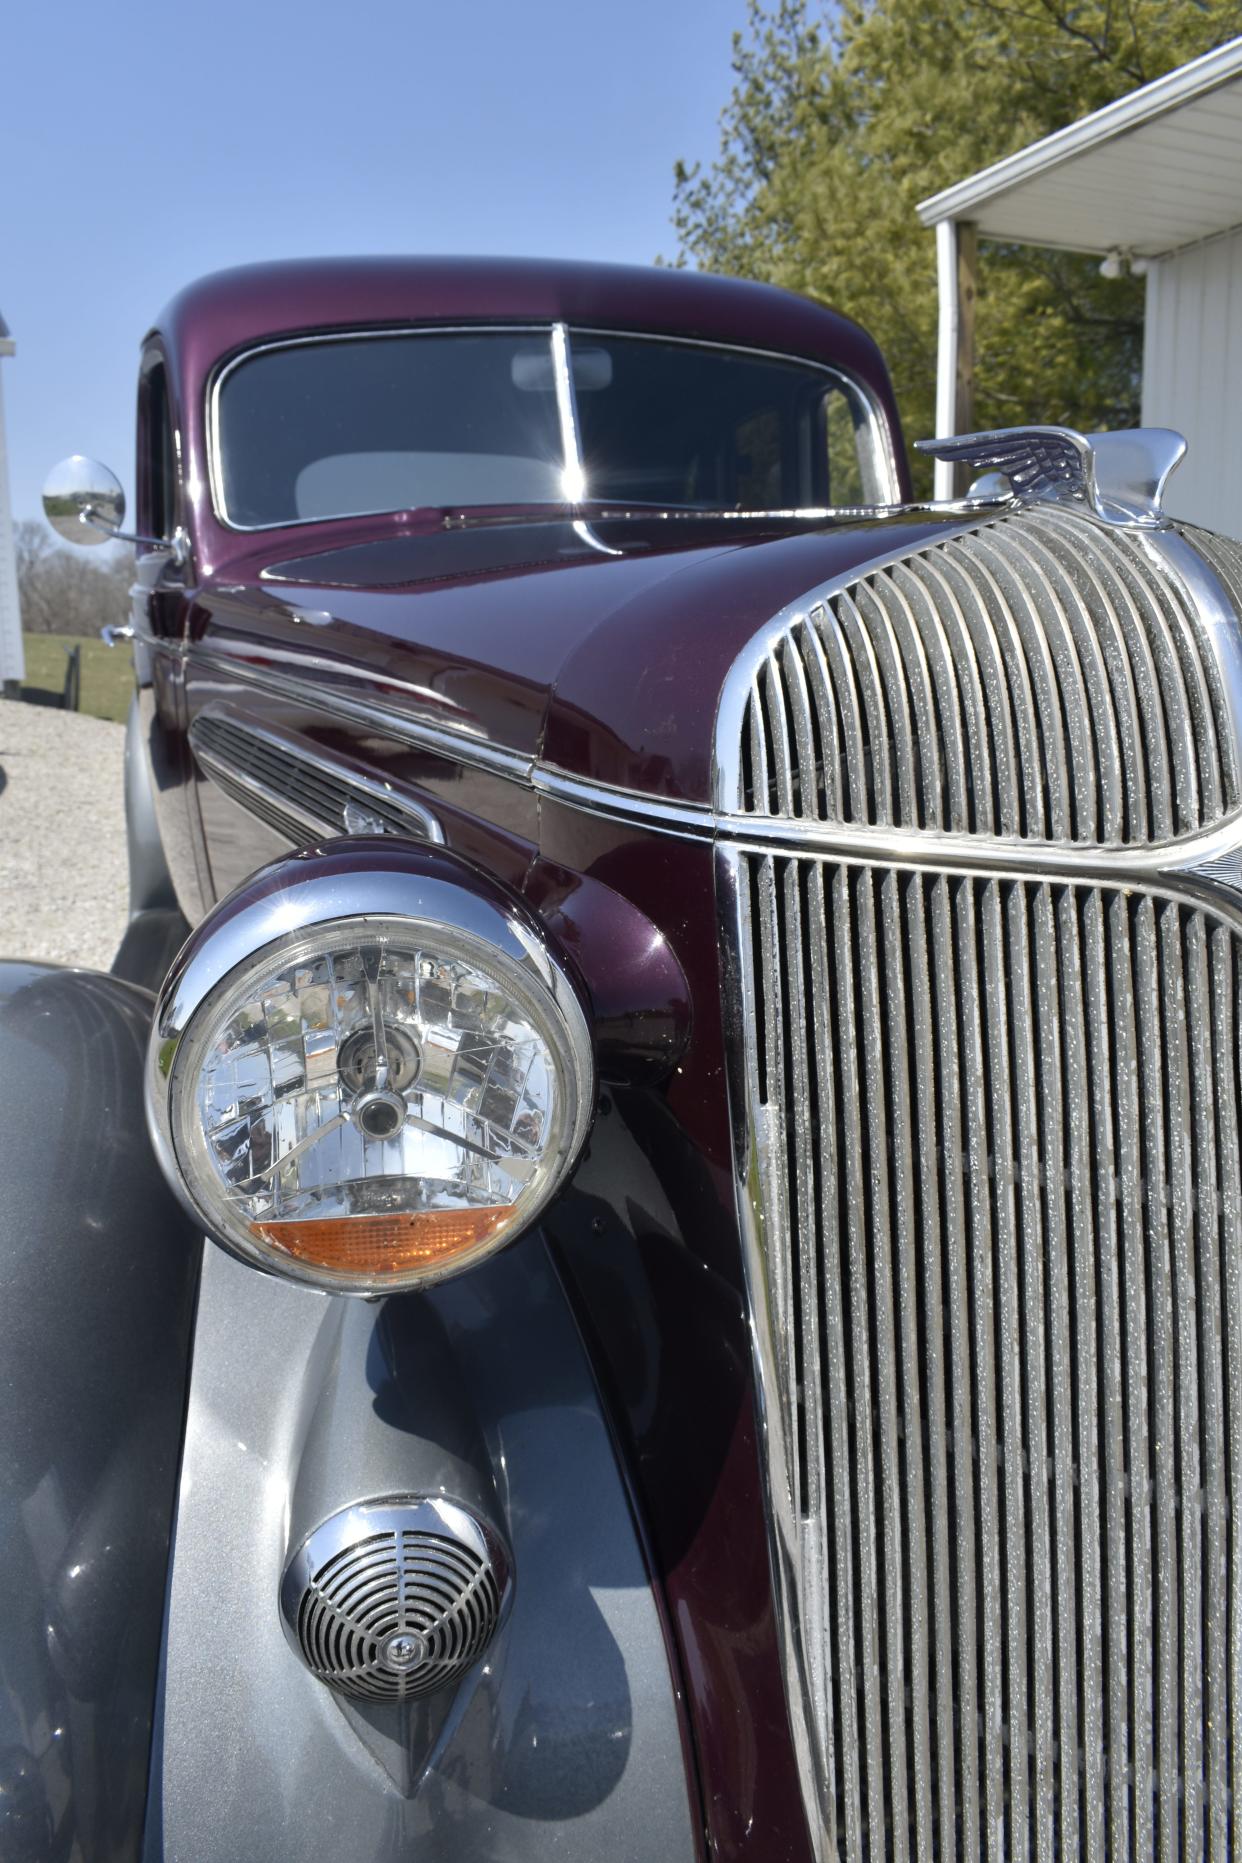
<point x="342" y="426"/>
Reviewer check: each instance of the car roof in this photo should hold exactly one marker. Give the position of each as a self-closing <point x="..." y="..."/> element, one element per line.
<point x="234" y="309"/>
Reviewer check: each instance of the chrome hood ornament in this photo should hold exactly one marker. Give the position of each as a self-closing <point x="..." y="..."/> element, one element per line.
<point x="1120" y="477"/>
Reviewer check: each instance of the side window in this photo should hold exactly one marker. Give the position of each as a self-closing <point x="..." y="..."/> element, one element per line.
<point x="157" y="457"/>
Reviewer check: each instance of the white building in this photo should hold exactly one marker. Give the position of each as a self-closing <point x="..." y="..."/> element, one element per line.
<point x="1153" y="180"/>
<point x="12" y="658"/>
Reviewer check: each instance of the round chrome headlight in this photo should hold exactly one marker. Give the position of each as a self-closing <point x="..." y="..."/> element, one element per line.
<point x="367" y="1069"/>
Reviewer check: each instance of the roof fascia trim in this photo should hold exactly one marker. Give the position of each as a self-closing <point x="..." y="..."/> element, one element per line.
<point x="1185" y="84"/>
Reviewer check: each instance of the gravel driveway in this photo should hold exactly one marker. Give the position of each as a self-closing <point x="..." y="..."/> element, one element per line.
<point x="63" y="872"/>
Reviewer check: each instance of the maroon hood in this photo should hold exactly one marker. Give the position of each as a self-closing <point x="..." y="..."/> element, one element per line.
<point x="530" y="639"/>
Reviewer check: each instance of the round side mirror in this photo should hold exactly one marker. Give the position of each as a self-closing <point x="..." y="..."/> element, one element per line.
<point x="83" y="501"/>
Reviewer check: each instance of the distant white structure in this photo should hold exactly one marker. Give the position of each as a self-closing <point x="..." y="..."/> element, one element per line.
<point x="1153" y="181"/>
<point x="12" y="658"/>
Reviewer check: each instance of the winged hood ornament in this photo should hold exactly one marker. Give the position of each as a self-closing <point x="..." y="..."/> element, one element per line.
<point x="1120" y="476"/>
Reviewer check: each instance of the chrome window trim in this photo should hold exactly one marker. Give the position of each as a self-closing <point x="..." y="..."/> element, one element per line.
<point x="222" y="371"/>
<point x="878" y="429"/>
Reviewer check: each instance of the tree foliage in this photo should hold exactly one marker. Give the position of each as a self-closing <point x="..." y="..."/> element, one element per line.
<point x="840" y="122"/>
<point x="69" y="591"/>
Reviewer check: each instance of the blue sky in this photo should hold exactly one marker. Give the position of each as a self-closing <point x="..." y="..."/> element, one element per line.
<point x="143" y="146"/>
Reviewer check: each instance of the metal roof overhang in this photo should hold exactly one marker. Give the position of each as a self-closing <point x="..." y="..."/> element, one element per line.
<point x="1158" y="169"/>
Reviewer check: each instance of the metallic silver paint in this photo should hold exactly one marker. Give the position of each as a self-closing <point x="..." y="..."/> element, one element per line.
<point x="95" y="1257"/>
<point x="560" y="1744"/>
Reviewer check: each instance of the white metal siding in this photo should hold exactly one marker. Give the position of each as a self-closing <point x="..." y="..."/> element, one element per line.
<point x="1192" y="376"/>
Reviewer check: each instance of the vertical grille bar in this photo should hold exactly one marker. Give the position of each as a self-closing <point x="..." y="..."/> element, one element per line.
<point x="1039" y="677"/>
<point x="961" y="1438"/>
<point x="1121" y="989"/>
<point x="846" y="1814"/>
<point x="1082" y="1274"/>
<point x="1185" y="1325"/>
<point x="1207" y="1262"/>
<point x="1013" y="1579"/>
<point x="979" y="1268"/>
<point x="857" y="1178"/>
<point x="1227" y="1030"/>
<point x="999" y="1155"/>
<point x="936" y="1605"/>
<point x="905" y="1210"/>
<point x="1052" y="1152"/>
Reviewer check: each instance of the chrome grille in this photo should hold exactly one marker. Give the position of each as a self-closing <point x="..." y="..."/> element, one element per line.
<point x="1040" y="677"/>
<point x="996" y="1169"/>
<point x="299" y="792"/>
<point x="1225" y="556"/>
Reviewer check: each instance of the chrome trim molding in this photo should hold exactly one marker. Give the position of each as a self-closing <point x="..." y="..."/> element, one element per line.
<point x="457" y="745"/>
<point x="879" y="434"/>
<point x="298" y="789"/>
<point x="318" y="337"/>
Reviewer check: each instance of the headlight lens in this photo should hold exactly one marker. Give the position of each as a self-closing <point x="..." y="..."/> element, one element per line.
<point x="373" y="1103"/>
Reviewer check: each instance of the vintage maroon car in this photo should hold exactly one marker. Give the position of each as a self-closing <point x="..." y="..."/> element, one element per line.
<point x="604" y="819"/>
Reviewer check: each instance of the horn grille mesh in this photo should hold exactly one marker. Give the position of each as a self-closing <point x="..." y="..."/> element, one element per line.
<point x="434" y="1591"/>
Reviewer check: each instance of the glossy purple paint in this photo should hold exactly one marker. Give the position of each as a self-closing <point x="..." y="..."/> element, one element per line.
<point x="230" y="311"/>
<point x="524" y="639"/>
<point x="605" y="667"/>
<point x="649" y="1237"/>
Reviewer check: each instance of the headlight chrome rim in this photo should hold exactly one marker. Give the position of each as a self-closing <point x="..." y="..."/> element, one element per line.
<point x="348" y="888"/>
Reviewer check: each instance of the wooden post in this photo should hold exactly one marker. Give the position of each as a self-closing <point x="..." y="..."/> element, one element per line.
<point x="957" y="260"/>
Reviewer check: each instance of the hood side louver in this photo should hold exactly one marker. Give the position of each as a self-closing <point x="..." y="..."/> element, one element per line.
<point x="300" y="792"/>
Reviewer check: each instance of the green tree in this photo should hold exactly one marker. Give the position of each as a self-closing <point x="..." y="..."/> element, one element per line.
<point x="839" y="123"/>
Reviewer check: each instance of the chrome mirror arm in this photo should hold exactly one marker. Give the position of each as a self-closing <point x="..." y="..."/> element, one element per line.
<point x="178" y="543"/>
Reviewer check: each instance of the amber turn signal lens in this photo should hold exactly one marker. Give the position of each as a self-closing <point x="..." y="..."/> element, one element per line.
<point x="384" y="1245"/>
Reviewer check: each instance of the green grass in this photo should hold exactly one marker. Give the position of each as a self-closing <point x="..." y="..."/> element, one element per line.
<point x="107" y="672"/>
